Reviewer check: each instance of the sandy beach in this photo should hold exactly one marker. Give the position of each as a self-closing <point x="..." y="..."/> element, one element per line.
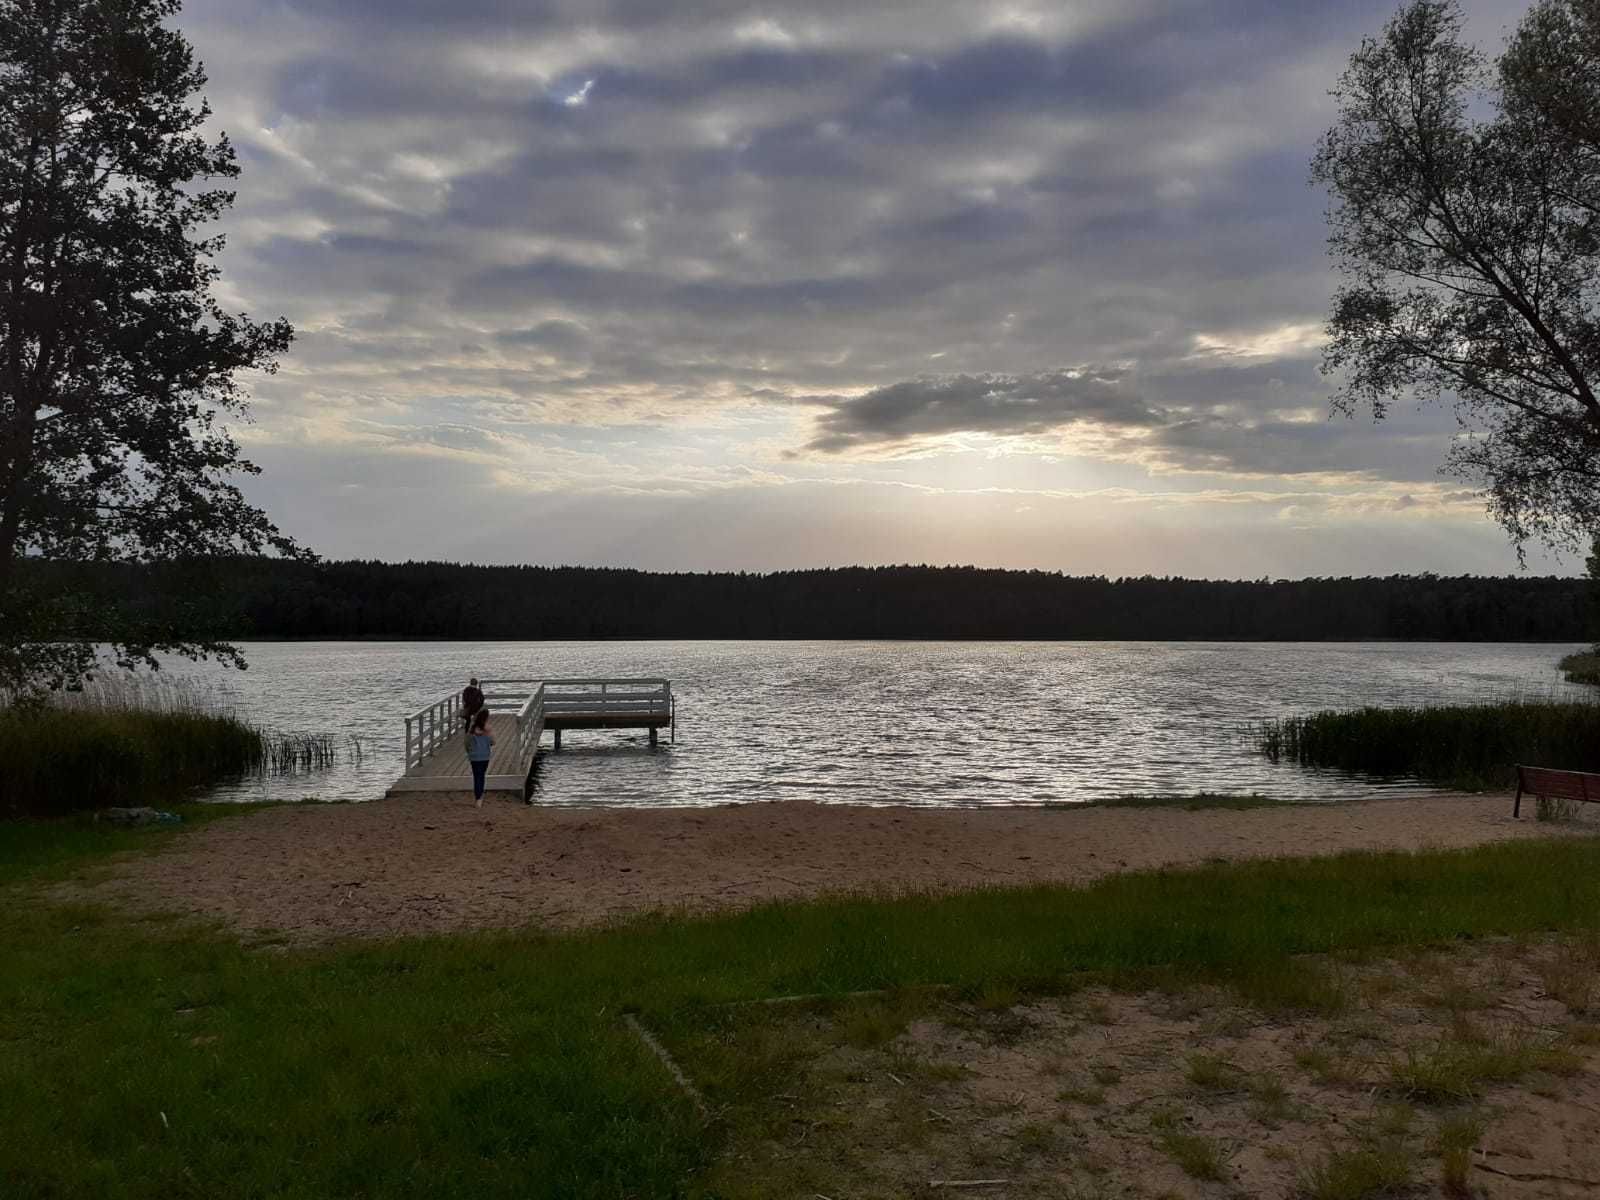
<point x="434" y="863"/>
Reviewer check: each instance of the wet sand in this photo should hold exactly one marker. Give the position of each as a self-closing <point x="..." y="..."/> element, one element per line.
<point x="426" y="863"/>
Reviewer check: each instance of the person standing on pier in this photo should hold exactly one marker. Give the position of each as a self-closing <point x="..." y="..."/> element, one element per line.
<point x="480" y="745"/>
<point x="471" y="701"/>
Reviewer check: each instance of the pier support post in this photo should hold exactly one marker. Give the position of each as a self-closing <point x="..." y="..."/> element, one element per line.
<point x="558" y="739"/>
<point x="652" y="735"/>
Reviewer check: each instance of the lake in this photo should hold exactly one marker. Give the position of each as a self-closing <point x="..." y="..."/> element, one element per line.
<point x="944" y="723"/>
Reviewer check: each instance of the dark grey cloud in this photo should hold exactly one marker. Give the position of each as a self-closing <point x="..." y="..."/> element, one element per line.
<point x="1224" y="418"/>
<point x="1000" y="404"/>
<point x="565" y="337"/>
<point x="1322" y="445"/>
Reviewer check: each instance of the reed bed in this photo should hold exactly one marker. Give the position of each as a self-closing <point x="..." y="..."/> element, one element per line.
<point x="120" y="691"/>
<point x="1467" y="746"/>
<point x="1583" y="667"/>
<point x="141" y="739"/>
<point x="298" y="753"/>
<point x="60" y="760"/>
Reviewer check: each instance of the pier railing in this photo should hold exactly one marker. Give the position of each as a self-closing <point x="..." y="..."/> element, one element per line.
<point x="608" y="697"/>
<point x="430" y="727"/>
<point x="529" y="697"/>
<point x="536" y="699"/>
<point x="530" y="725"/>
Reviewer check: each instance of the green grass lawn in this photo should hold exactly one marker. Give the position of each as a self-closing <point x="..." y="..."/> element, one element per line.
<point x="140" y="1058"/>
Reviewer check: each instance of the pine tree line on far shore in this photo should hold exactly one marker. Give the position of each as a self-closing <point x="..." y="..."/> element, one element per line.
<point x="263" y="598"/>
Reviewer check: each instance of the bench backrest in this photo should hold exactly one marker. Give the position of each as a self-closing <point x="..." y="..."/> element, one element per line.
<point x="1564" y="785"/>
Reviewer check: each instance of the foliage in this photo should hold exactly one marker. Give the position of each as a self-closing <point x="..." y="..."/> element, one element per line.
<point x="496" y="1065"/>
<point x="1470" y="250"/>
<point x="275" y="598"/>
<point x="117" y="364"/>
<point x="1472" y="745"/>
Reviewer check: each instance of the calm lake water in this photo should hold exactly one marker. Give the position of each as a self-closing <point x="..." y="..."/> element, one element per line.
<point x="951" y="723"/>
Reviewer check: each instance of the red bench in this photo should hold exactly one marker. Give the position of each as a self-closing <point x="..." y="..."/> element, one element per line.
<point x="1560" y="785"/>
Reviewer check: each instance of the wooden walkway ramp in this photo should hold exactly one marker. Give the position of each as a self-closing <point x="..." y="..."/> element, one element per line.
<point x="520" y="710"/>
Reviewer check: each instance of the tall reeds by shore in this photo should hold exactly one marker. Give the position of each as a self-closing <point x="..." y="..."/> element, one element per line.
<point x="1583" y="667"/>
<point x="138" y="739"/>
<point x="1467" y="746"/>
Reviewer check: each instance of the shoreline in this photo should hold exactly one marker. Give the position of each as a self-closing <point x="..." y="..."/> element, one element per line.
<point x="378" y="639"/>
<point x="433" y="863"/>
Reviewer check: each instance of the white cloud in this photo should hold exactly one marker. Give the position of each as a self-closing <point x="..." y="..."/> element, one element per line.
<point x="1291" y="340"/>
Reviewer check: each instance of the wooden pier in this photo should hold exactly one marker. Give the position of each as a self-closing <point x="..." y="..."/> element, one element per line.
<point x="520" y="710"/>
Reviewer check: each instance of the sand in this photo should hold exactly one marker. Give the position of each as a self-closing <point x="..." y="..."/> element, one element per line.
<point x="426" y="863"/>
<point x="1092" y="1094"/>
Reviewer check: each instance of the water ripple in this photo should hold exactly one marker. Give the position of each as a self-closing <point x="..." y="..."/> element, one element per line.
<point x="888" y="722"/>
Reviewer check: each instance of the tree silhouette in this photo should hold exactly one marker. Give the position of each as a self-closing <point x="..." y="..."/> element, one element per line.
<point x="1470" y="250"/>
<point x="289" y="599"/>
<point x="117" y="365"/>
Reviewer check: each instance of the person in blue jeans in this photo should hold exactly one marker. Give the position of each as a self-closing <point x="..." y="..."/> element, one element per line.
<point x="480" y="744"/>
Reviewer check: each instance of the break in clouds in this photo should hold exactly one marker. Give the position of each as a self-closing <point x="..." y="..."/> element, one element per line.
<point x="1033" y="284"/>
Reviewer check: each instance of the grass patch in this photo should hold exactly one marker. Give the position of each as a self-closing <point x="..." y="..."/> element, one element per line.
<point x="1454" y="1141"/>
<point x="1292" y="985"/>
<point x="1269" y="1100"/>
<point x="1200" y="1157"/>
<point x="1091" y="1096"/>
<point x="1555" y="808"/>
<point x="1571" y="974"/>
<point x="1457" y="1069"/>
<point x="1468" y="746"/>
<point x="45" y="849"/>
<point x="1035" y="1137"/>
<point x="1361" y="1174"/>
<point x="497" y="1065"/>
<point x="873" y="1022"/>
<point x="1212" y="1072"/>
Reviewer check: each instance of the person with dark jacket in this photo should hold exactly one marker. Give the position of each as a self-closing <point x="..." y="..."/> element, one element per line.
<point x="471" y="701"/>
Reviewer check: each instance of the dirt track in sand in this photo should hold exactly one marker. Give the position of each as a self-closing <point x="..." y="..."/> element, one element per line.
<point x="434" y="863"/>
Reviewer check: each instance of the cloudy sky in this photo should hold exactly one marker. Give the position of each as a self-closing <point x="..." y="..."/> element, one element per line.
<point x="710" y="285"/>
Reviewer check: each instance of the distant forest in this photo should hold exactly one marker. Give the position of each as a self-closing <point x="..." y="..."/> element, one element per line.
<point x="276" y="599"/>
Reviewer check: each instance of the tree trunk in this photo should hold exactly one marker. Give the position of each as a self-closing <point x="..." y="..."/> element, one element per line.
<point x="19" y="465"/>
